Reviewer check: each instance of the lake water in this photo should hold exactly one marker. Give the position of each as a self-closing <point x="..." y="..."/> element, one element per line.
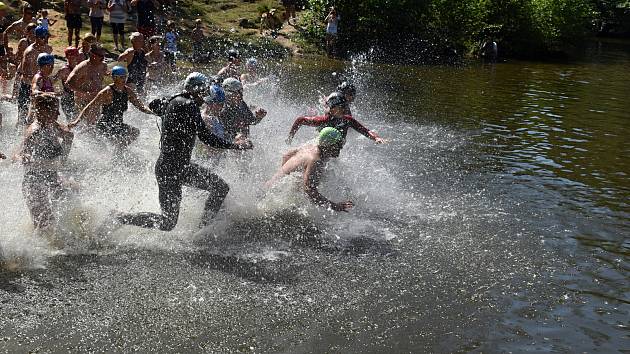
<point x="496" y="220"/>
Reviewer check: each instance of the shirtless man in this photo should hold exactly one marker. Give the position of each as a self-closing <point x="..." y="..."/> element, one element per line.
<point x="232" y="69"/>
<point x="67" y="96"/>
<point x="158" y="68"/>
<point x="86" y="79"/>
<point x="18" y="28"/>
<point x="28" y="69"/>
<point x="311" y="159"/>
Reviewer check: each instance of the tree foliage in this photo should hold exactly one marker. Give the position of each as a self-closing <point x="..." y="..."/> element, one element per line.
<point x="437" y="27"/>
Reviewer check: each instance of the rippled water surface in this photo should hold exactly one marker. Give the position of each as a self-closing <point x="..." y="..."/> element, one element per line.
<point x="496" y="220"/>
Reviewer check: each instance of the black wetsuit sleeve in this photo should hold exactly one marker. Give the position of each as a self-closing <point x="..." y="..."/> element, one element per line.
<point x="207" y="137"/>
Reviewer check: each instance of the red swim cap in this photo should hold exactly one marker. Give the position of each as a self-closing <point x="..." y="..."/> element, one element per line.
<point x="71" y="52"/>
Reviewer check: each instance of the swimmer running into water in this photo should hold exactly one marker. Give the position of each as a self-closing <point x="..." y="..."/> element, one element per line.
<point x="45" y="147"/>
<point x="335" y="118"/>
<point x="311" y="159"/>
<point x="114" y="101"/>
<point x="181" y="125"/>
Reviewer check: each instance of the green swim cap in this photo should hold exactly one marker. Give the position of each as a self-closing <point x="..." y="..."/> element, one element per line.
<point x="3" y="6"/>
<point x="329" y="136"/>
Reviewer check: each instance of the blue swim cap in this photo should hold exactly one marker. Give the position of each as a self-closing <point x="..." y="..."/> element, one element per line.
<point x="41" y="32"/>
<point x="196" y="82"/>
<point x="45" y="59"/>
<point x="119" y="71"/>
<point x="329" y="136"/>
<point x="215" y="95"/>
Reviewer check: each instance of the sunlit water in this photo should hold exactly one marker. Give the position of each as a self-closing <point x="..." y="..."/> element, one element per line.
<point x="496" y="220"/>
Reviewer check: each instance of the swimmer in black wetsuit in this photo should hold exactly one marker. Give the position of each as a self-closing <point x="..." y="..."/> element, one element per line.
<point x="181" y="124"/>
<point x="136" y="62"/>
<point x="114" y="99"/>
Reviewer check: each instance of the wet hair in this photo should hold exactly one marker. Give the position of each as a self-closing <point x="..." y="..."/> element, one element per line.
<point x="89" y="37"/>
<point x="135" y="35"/>
<point x="155" y="39"/>
<point x="44" y="12"/>
<point x="45" y="101"/>
<point x="27" y="7"/>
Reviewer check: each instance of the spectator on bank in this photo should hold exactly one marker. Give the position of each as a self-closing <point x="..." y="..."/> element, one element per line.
<point x="117" y="17"/>
<point x="198" y="38"/>
<point x="332" y="24"/>
<point x="43" y="20"/>
<point x="97" y="14"/>
<point x="170" y="47"/>
<point x="289" y="9"/>
<point x="72" y="10"/>
<point x="86" y="45"/>
<point x="489" y="51"/>
<point x="146" y="16"/>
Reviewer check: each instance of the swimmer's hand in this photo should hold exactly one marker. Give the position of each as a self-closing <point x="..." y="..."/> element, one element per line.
<point x="343" y="206"/>
<point x="2" y="156"/>
<point x="260" y="113"/>
<point x="381" y="141"/>
<point x="243" y="143"/>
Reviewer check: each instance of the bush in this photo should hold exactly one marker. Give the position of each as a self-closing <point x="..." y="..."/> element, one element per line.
<point x="453" y="26"/>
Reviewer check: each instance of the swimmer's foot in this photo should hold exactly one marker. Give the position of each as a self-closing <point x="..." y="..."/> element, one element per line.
<point x="111" y="223"/>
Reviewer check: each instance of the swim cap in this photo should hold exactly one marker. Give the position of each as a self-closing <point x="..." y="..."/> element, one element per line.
<point x="45" y="59"/>
<point x="215" y="95"/>
<point x="41" y="32"/>
<point x="196" y="82"/>
<point x="335" y="99"/>
<point x="251" y="62"/>
<point x="329" y="136"/>
<point x="233" y="53"/>
<point x="3" y="6"/>
<point x="347" y="88"/>
<point x="232" y="85"/>
<point x="119" y="71"/>
<point x="70" y="52"/>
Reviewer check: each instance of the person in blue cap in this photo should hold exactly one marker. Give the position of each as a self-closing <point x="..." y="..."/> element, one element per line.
<point x="28" y="69"/>
<point x="311" y="159"/>
<point x="213" y="104"/>
<point x="181" y="126"/>
<point x="113" y="101"/>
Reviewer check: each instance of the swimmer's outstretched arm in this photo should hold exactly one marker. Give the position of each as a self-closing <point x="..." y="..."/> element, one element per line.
<point x="133" y="98"/>
<point x="365" y="131"/>
<point x="308" y="121"/>
<point x="311" y="181"/>
<point x="102" y="98"/>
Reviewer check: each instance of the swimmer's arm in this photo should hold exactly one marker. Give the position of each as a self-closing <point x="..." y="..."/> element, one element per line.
<point x="311" y="181"/>
<point x="365" y="131"/>
<point x="103" y="97"/>
<point x="126" y="56"/>
<point x="36" y="85"/>
<point x="72" y="81"/>
<point x="67" y="136"/>
<point x="208" y="138"/>
<point x="133" y="98"/>
<point x="308" y="121"/>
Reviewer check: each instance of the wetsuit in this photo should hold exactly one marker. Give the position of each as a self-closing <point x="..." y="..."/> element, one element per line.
<point x="40" y="185"/>
<point x="111" y="122"/>
<point x="181" y="124"/>
<point x="237" y="119"/>
<point x="342" y="124"/>
<point x="67" y="100"/>
<point x="138" y="70"/>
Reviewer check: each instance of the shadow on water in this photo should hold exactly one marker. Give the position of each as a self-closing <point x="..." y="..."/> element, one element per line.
<point x="299" y="230"/>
